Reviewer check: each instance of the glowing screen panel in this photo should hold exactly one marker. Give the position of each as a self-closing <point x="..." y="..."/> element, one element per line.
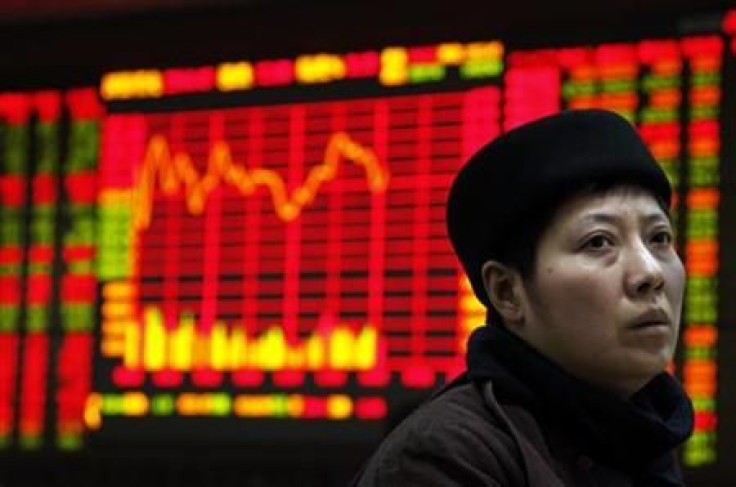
<point x="303" y="243"/>
<point x="286" y="260"/>
<point x="49" y="147"/>
<point x="249" y="250"/>
<point x="286" y="244"/>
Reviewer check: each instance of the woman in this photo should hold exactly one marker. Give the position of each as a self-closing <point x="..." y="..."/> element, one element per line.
<point x="562" y="226"/>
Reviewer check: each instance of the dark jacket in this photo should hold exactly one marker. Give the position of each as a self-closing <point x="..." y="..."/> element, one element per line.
<point x="465" y="437"/>
<point x="516" y="419"/>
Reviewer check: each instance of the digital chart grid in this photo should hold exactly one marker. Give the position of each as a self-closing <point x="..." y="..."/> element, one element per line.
<point x="186" y="248"/>
<point x="269" y="243"/>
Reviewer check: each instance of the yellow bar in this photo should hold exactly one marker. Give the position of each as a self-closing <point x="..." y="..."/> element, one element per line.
<point x="113" y="348"/>
<point x="187" y="404"/>
<point x="132" y="359"/>
<point x="341" y="346"/>
<point x="237" y="349"/>
<point x="135" y="404"/>
<point x="117" y="310"/>
<point x="132" y="84"/>
<point x="234" y="76"/>
<point x="394" y="70"/>
<point x="366" y="349"/>
<point x="114" y="328"/>
<point x="201" y="355"/>
<point x="92" y="415"/>
<point x="485" y="50"/>
<point x="319" y="68"/>
<point x="272" y="350"/>
<point x="295" y="405"/>
<point x="119" y="290"/>
<point x="451" y="53"/>
<point x="205" y="404"/>
<point x="218" y="346"/>
<point x="394" y="55"/>
<point x="392" y="76"/>
<point x="255" y="405"/>
<point x="181" y="344"/>
<point x="154" y="341"/>
<point x="316" y="352"/>
<point x="339" y="406"/>
<point x="193" y="404"/>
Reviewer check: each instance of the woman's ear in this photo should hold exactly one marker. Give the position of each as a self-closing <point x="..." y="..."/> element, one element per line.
<point x="504" y="288"/>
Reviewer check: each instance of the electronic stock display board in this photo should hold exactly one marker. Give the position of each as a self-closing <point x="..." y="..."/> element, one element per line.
<point x="255" y="251"/>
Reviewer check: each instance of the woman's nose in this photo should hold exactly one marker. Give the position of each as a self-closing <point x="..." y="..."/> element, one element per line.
<point x="644" y="271"/>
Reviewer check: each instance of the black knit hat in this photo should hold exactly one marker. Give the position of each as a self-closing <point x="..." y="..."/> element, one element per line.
<point x="536" y="166"/>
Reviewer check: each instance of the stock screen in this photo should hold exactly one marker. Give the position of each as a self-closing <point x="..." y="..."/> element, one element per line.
<point x="256" y="250"/>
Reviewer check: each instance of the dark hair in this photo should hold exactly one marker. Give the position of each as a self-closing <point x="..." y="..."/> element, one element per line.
<point x="520" y="247"/>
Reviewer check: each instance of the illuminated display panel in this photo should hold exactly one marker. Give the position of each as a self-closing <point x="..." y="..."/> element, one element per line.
<point x="289" y="260"/>
<point x="701" y="242"/>
<point x="263" y="263"/>
<point x="288" y="308"/>
<point x="49" y="144"/>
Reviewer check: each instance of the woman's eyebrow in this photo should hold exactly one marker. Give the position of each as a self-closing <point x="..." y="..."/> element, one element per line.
<point x="598" y="217"/>
<point x="614" y="218"/>
<point x="655" y="217"/>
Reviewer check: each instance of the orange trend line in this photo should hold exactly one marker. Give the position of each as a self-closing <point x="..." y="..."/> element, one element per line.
<point x="172" y="172"/>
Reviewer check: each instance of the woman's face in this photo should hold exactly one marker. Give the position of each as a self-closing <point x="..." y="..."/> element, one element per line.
<point x="604" y="301"/>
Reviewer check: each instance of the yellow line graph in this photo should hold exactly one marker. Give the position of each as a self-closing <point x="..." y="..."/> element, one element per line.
<point x="175" y="172"/>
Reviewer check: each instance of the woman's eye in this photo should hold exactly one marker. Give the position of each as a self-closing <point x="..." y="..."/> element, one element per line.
<point x="662" y="238"/>
<point x="598" y="242"/>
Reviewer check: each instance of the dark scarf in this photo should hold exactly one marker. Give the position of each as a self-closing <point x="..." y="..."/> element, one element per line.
<point x="635" y="436"/>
